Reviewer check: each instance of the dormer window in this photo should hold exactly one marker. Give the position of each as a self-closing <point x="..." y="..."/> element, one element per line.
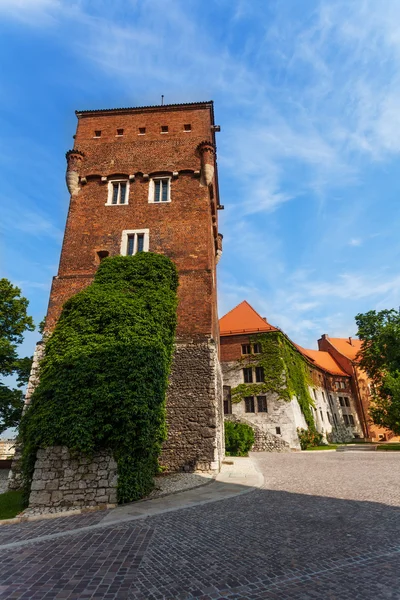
<point x="118" y="192"/>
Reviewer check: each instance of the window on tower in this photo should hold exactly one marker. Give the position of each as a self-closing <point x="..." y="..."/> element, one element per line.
<point x="118" y="192"/>
<point x="134" y="241"/>
<point x="160" y="190"/>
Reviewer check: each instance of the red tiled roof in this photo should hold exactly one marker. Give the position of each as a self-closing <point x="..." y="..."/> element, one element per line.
<point x="350" y="347"/>
<point x="243" y="319"/>
<point x="323" y="360"/>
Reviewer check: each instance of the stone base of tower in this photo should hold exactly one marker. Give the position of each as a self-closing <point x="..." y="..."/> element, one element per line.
<point x="194" y="409"/>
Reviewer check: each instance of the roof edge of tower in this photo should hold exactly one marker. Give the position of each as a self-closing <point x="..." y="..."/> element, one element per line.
<point x="151" y="108"/>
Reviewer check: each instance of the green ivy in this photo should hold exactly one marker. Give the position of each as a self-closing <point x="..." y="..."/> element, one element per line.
<point x="105" y="372"/>
<point x="286" y="373"/>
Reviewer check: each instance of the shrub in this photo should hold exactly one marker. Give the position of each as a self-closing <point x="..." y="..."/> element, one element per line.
<point x="105" y="371"/>
<point x="239" y="439"/>
<point x="309" y="437"/>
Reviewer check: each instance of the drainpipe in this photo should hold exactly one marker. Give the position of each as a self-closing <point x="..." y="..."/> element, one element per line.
<point x="366" y="429"/>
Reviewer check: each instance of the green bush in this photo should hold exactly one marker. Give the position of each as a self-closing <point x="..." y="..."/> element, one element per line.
<point x="105" y="372"/>
<point x="239" y="439"/>
<point x="309" y="437"/>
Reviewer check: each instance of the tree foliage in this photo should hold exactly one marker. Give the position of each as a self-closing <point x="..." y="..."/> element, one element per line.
<point x="14" y="321"/>
<point x="105" y="371"/>
<point x="380" y="359"/>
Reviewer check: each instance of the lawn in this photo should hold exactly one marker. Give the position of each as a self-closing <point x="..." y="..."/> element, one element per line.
<point x="388" y="447"/>
<point x="326" y="447"/>
<point x="10" y="504"/>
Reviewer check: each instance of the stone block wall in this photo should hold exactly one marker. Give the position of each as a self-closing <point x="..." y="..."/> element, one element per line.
<point x="194" y="409"/>
<point x="65" y="480"/>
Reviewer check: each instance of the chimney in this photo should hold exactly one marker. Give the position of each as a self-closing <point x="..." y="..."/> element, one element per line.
<point x="324" y="336"/>
<point x="350" y="341"/>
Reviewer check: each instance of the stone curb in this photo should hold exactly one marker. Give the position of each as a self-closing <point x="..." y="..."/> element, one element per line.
<point x="81" y="511"/>
<point x="66" y="513"/>
<point x="244" y="479"/>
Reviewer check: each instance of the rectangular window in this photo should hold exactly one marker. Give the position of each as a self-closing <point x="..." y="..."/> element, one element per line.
<point x="161" y="192"/>
<point x="120" y="132"/>
<point x="329" y="418"/>
<point x="227" y="400"/>
<point x="347" y="402"/>
<point x="315" y="394"/>
<point x="134" y="241"/>
<point x="135" y="244"/>
<point x="118" y="192"/>
<point x="323" y="395"/>
<point x="164" y="128"/>
<point x="262" y="404"/>
<point x="278" y="430"/>
<point x="248" y="375"/>
<point x="249" y="404"/>
<point x="346" y="420"/>
<point x="259" y="374"/>
<point x="341" y="401"/>
<point x="257" y="348"/>
<point x="187" y="127"/>
<point x="322" y="415"/>
<point x="246" y="349"/>
<point x="342" y="385"/>
<point x="97" y="133"/>
<point x="335" y="419"/>
<point x="351" y="420"/>
<point x="142" y="130"/>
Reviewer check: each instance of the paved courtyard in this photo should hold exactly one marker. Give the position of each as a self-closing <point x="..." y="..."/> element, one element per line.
<point x="325" y="525"/>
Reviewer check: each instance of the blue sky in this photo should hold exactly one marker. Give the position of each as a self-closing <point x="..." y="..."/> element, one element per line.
<point x="307" y="96"/>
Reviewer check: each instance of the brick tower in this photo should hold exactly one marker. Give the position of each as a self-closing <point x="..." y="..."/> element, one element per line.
<point x="145" y="179"/>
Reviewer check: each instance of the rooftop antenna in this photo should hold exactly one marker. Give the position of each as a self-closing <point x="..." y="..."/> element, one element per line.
<point x="162" y="99"/>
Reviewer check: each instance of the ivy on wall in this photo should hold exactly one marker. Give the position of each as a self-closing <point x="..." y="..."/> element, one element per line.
<point x="105" y="372"/>
<point x="286" y="373"/>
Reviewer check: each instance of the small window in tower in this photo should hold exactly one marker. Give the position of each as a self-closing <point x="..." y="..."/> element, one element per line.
<point x="160" y="190"/>
<point x="249" y="404"/>
<point x="187" y="127"/>
<point x="246" y="349"/>
<point x="142" y="130"/>
<point x="259" y="374"/>
<point x="120" y="132"/>
<point x="262" y="404"/>
<point x="248" y="375"/>
<point x="97" y="133"/>
<point x="134" y="241"/>
<point x="164" y="128"/>
<point x="278" y="430"/>
<point x="118" y="192"/>
<point x="101" y="254"/>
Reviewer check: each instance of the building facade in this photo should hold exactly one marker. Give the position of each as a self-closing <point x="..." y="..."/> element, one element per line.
<point x="334" y="406"/>
<point x="145" y="179"/>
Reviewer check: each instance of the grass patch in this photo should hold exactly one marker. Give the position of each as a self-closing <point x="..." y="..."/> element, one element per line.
<point x="395" y="447"/>
<point x="10" y="504"/>
<point x="326" y="447"/>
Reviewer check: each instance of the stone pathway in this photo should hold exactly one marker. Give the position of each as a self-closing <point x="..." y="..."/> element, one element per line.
<point x="321" y="527"/>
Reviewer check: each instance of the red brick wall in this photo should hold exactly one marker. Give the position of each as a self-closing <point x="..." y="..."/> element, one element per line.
<point x="231" y="346"/>
<point x="184" y="229"/>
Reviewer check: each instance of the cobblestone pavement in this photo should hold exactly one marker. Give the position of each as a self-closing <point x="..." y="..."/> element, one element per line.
<point x="325" y="526"/>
